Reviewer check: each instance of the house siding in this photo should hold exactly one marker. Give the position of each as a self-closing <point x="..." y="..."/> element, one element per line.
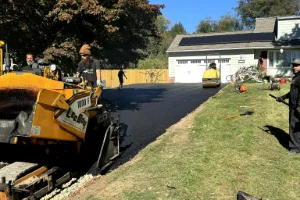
<point x="288" y="29"/>
<point x="171" y="62"/>
<point x="233" y="55"/>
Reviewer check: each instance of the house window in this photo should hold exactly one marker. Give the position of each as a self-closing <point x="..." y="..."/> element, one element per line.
<point x="277" y="59"/>
<point x="295" y="54"/>
<point x="271" y="59"/>
<point x="283" y="59"/>
<point x="195" y="61"/>
<point x="225" y="61"/>
<point x="209" y="61"/>
<point x="182" y="61"/>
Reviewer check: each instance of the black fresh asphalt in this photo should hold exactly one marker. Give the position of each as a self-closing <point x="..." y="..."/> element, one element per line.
<point x="146" y="111"/>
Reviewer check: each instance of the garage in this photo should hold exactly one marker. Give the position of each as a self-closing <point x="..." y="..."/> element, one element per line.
<point x="191" y="71"/>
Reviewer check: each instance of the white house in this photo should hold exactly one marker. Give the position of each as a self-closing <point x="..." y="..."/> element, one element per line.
<point x="276" y="39"/>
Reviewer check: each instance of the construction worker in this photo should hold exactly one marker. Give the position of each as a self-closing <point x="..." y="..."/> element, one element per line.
<point x="89" y="67"/>
<point x="260" y="63"/>
<point x="212" y="65"/>
<point x="294" y="109"/>
<point x="30" y="61"/>
<point x="120" y="76"/>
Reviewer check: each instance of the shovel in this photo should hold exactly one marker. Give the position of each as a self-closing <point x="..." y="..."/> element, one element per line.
<point x="248" y="106"/>
<point x="234" y="116"/>
<point x="284" y="102"/>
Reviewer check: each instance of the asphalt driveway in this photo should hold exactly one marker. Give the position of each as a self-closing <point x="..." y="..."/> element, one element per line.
<point x="146" y="111"/>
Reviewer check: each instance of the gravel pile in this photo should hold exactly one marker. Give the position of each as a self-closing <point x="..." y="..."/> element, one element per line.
<point x="69" y="188"/>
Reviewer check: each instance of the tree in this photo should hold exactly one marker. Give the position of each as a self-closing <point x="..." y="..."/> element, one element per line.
<point x="226" y="23"/>
<point x="162" y="24"/>
<point x="155" y="46"/>
<point x="177" y="29"/>
<point x="156" y="51"/>
<point x="248" y="10"/>
<point x="117" y="30"/>
<point x="158" y="46"/>
<point x="206" y="26"/>
<point x="169" y="36"/>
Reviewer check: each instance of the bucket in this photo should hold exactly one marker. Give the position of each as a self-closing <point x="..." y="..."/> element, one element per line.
<point x="282" y="81"/>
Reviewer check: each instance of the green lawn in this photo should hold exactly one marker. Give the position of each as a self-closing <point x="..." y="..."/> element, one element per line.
<point x="207" y="157"/>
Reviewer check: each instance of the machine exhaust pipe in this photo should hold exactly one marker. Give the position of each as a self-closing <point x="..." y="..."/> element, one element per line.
<point x="7" y="59"/>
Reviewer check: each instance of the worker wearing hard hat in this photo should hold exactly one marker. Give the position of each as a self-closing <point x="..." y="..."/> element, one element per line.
<point x="89" y="67"/>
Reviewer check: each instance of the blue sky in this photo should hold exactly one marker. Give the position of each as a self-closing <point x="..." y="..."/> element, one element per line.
<point x="191" y="12"/>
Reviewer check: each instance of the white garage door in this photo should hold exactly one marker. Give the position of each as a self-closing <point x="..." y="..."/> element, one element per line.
<point x="225" y="69"/>
<point x="189" y="73"/>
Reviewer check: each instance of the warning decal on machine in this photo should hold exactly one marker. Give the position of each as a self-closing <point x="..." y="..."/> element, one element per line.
<point x="74" y="117"/>
<point x="35" y="130"/>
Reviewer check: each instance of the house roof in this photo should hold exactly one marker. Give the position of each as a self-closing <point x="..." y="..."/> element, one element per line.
<point x="174" y="47"/>
<point x="262" y="25"/>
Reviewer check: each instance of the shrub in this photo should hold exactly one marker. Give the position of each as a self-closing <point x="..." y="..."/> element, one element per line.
<point x="158" y="62"/>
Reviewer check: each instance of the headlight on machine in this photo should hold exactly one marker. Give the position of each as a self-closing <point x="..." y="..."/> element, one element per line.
<point x="53" y="67"/>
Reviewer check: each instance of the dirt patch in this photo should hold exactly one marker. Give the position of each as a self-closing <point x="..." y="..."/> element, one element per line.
<point x="181" y="130"/>
<point x="104" y="190"/>
<point x="133" y="161"/>
<point x="100" y="185"/>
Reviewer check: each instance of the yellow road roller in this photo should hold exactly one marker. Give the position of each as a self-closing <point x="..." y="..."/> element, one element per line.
<point x="211" y="77"/>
